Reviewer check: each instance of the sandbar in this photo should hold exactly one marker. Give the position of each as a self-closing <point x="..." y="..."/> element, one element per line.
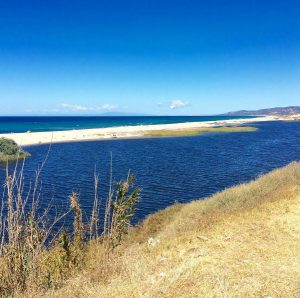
<point x="121" y="132"/>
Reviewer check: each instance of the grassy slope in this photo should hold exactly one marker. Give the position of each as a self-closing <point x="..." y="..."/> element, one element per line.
<point x="242" y="242"/>
<point x="193" y="132"/>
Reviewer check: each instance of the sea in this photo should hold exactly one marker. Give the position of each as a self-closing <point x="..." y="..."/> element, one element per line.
<point x="167" y="170"/>
<point x="36" y="124"/>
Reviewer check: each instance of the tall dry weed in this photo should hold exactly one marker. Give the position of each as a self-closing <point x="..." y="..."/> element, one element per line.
<point x="32" y="257"/>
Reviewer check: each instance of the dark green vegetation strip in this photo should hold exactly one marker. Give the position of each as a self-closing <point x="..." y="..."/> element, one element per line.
<point x="198" y="131"/>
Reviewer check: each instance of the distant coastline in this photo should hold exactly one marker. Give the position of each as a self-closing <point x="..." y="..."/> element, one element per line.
<point x="123" y="132"/>
<point x="277" y="111"/>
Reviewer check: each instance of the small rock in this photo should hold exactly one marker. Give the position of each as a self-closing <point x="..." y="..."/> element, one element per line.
<point x="162" y="259"/>
<point x="227" y="238"/>
<point x="203" y="238"/>
<point x="153" y="241"/>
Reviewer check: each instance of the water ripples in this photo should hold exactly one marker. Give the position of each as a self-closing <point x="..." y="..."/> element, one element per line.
<point x="166" y="169"/>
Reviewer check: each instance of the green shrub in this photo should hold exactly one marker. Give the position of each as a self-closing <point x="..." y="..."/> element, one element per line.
<point x="8" y="147"/>
<point x="10" y="151"/>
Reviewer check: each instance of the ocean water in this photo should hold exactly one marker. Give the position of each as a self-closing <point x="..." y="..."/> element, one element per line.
<point x="34" y="124"/>
<point x="167" y="170"/>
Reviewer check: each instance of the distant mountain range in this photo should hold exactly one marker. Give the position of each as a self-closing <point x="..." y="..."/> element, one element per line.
<point x="121" y="114"/>
<point x="272" y="111"/>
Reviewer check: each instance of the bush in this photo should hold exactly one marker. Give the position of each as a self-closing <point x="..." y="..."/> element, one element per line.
<point x="8" y="147"/>
<point x="10" y="151"/>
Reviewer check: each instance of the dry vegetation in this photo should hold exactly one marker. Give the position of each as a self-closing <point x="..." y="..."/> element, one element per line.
<point x="242" y="242"/>
<point x="197" y="131"/>
<point x="34" y="258"/>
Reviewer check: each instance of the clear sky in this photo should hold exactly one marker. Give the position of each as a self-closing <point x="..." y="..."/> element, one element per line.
<point x="153" y="57"/>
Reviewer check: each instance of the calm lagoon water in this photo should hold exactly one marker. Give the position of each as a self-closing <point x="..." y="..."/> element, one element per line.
<point x="166" y="169"/>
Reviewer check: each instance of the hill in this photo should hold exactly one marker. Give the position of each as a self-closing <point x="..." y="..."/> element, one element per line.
<point x="242" y="242"/>
<point x="292" y="110"/>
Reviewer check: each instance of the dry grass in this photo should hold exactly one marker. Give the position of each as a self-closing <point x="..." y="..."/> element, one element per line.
<point x="33" y="258"/>
<point x="242" y="242"/>
<point x="198" y="131"/>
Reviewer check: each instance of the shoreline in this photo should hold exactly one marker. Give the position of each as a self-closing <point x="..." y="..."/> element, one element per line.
<point x="122" y="132"/>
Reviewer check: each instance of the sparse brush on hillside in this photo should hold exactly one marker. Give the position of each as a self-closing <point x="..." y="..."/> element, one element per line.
<point x="10" y="151"/>
<point x="241" y="242"/>
<point x="32" y="257"/>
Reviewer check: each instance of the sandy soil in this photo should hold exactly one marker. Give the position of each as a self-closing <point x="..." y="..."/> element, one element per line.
<point x="35" y="138"/>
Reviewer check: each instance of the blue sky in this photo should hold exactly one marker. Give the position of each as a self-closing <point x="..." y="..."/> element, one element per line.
<point x="153" y="57"/>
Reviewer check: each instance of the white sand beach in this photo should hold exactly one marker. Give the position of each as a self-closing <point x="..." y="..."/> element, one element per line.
<point x="122" y="132"/>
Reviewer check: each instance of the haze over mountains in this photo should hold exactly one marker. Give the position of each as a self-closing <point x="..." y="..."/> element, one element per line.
<point x="277" y="111"/>
<point x="122" y="114"/>
<point x="291" y="110"/>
